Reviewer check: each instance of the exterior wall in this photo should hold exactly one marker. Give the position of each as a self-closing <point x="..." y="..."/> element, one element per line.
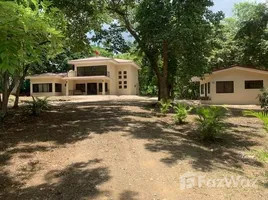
<point x="46" y="80"/>
<point x="113" y="83"/>
<point x="240" y="95"/>
<point x="124" y="91"/>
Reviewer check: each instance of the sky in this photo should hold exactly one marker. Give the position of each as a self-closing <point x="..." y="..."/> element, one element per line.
<point x="227" y="5"/>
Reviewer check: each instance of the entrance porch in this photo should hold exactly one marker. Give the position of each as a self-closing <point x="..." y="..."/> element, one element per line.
<point x="87" y="86"/>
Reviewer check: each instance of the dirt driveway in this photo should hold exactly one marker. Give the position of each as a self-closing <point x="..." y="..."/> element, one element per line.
<point x="122" y="150"/>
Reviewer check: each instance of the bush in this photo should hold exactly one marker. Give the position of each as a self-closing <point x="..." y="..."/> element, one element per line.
<point x="181" y="113"/>
<point x="211" y="121"/>
<point x="165" y="105"/>
<point x="261" y="115"/>
<point x="37" y="105"/>
<point x="263" y="98"/>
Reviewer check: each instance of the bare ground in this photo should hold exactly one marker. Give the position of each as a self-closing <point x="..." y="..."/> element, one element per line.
<point x="120" y="149"/>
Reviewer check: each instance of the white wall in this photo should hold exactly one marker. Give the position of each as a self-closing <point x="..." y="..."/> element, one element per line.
<point x="240" y="95"/>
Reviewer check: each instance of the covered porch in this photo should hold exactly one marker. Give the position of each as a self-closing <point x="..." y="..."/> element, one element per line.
<point x="87" y="85"/>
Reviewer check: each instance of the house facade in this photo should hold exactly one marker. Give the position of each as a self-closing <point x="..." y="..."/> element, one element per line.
<point x="235" y="85"/>
<point x="90" y="76"/>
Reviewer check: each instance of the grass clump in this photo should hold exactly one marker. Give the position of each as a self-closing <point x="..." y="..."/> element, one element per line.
<point x="210" y="121"/>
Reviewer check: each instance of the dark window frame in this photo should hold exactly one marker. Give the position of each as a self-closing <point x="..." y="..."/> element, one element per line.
<point x="36" y="88"/>
<point x="222" y="87"/>
<point x="100" y="87"/>
<point x="58" y="87"/>
<point x="202" y="89"/>
<point x="82" y="87"/>
<point x="254" y="84"/>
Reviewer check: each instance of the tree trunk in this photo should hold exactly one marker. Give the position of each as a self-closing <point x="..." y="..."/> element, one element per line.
<point x="164" y="90"/>
<point x="5" y="93"/>
<point x="17" y="93"/>
<point x="21" y="79"/>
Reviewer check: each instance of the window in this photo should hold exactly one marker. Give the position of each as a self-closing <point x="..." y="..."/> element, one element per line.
<point x="208" y="87"/>
<point x="58" y="87"/>
<point x="224" y="87"/>
<point x="125" y="72"/>
<point x="125" y="77"/>
<point x="92" y="71"/>
<point x="125" y="86"/>
<point x="120" y="72"/>
<point x="125" y="82"/>
<point x="120" y="86"/>
<point x="202" y="89"/>
<point x="120" y="77"/>
<point x="45" y="87"/>
<point x="80" y="87"/>
<point x="120" y="82"/>
<point x="254" y="84"/>
<point x="100" y="87"/>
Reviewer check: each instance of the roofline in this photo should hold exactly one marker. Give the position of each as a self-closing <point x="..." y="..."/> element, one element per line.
<point x="251" y="69"/>
<point x="37" y="77"/>
<point x="75" y="62"/>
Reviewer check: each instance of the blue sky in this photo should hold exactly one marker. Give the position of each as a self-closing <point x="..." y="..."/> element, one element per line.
<point x="227" y="5"/>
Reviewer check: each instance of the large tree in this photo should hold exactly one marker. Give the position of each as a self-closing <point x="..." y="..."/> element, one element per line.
<point x="26" y="30"/>
<point x="164" y="28"/>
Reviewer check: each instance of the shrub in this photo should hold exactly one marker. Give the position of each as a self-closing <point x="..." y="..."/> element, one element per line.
<point x="165" y="105"/>
<point x="38" y="105"/>
<point x="263" y="98"/>
<point x="211" y="121"/>
<point x="261" y="115"/>
<point x="181" y="113"/>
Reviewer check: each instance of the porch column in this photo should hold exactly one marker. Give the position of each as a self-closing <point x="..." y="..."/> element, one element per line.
<point x="103" y="87"/>
<point x="67" y="88"/>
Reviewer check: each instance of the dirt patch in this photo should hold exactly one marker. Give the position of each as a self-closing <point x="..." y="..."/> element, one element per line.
<point x="120" y="149"/>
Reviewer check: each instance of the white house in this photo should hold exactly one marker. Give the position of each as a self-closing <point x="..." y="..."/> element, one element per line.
<point x="235" y="85"/>
<point x="91" y="76"/>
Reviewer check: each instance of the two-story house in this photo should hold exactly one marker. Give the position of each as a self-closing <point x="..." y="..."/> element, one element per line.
<point x="90" y="76"/>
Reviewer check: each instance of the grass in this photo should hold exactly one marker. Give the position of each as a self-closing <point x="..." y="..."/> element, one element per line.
<point x="262" y="155"/>
<point x="262" y="116"/>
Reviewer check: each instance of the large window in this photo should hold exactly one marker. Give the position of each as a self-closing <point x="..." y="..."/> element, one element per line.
<point x="100" y="87"/>
<point x="254" y="84"/>
<point x="58" y="87"/>
<point x="224" y="87"/>
<point x="92" y="71"/>
<point x="80" y="87"/>
<point x="41" y="88"/>
<point x="202" y="89"/>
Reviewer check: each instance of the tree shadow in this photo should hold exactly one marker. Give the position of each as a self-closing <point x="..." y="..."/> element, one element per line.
<point x="128" y="195"/>
<point x="76" y="181"/>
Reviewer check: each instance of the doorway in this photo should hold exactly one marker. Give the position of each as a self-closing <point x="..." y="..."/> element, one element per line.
<point x="92" y="89"/>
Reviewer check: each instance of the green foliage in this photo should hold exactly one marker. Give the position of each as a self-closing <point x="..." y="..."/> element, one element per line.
<point x="165" y="105"/>
<point x="263" y="98"/>
<point x="261" y="115"/>
<point x="38" y="105"/>
<point x="262" y="155"/>
<point x="211" y="121"/>
<point x="181" y="112"/>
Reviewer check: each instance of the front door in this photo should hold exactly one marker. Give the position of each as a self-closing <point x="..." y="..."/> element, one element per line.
<point x="92" y="89"/>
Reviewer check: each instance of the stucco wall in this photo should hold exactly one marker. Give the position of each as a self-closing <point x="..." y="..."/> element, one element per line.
<point x="240" y="95"/>
<point x="46" y="80"/>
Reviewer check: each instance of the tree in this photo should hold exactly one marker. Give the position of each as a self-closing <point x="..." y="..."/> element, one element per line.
<point x="243" y="38"/>
<point x="26" y="31"/>
<point x="162" y="28"/>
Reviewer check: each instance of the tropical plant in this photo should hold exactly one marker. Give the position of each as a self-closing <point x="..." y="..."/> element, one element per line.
<point x="263" y="98"/>
<point x="181" y="112"/>
<point x="211" y="121"/>
<point x="165" y="105"/>
<point x="261" y="115"/>
<point x="38" y="105"/>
